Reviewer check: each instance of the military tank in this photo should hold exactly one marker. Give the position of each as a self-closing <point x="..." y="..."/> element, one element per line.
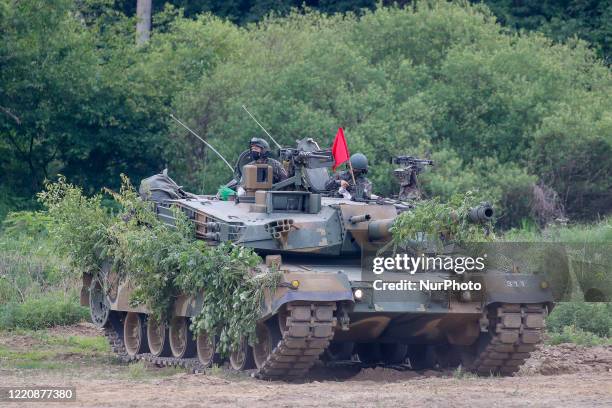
<point x="325" y="307"/>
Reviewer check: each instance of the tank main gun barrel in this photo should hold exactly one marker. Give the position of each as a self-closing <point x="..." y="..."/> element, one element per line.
<point x="379" y="230"/>
<point x="481" y="213"/>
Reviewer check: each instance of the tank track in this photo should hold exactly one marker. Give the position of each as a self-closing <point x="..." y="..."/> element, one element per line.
<point x="116" y="344"/>
<point x="515" y="331"/>
<point x="306" y="333"/>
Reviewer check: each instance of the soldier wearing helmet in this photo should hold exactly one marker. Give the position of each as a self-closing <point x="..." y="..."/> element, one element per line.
<point x="342" y="182"/>
<point x="260" y="150"/>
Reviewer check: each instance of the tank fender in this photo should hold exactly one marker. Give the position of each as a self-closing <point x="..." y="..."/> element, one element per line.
<point x="516" y="288"/>
<point x="311" y="287"/>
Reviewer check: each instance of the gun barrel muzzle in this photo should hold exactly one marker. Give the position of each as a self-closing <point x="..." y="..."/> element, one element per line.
<point x="481" y="213"/>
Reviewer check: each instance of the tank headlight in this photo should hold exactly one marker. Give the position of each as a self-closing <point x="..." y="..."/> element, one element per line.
<point x="295" y="284"/>
<point x="358" y="294"/>
<point x="544" y="285"/>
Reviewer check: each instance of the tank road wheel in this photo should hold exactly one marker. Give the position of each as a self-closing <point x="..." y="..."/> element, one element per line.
<point x="369" y="353"/>
<point x="157" y="336"/>
<point x="242" y="359"/>
<point x="182" y="343"/>
<point x="99" y="307"/>
<point x="393" y="353"/>
<point x="135" y="334"/>
<point x="268" y="336"/>
<point x="207" y="349"/>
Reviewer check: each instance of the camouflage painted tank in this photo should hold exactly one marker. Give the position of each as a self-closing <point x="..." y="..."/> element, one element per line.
<point x="325" y="307"/>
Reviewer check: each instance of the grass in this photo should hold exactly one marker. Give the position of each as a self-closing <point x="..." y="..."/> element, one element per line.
<point x="572" y="334"/>
<point x="461" y="374"/>
<point x="29" y="264"/>
<point x="42" y="350"/>
<point x="137" y="371"/>
<point x="41" y="365"/>
<point x="35" y="355"/>
<point x="228" y="374"/>
<point x="47" y="310"/>
<point x="81" y="344"/>
<point x="598" y="233"/>
<point x="37" y="287"/>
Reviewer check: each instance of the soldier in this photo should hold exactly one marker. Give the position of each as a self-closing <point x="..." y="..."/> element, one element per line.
<point x="343" y="181"/>
<point x="260" y="150"/>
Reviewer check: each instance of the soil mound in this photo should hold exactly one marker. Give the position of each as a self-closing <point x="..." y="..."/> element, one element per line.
<point x="568" y="358"/>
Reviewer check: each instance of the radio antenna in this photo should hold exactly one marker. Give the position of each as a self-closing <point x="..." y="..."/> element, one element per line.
<point x="262" y="128"/>
<point x="203" y="141"/>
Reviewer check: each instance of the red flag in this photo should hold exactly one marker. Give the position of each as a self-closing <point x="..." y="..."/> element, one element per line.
<point x="339" y="150"/>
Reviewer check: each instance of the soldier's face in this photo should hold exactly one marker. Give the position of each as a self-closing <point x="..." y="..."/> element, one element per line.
<point x="256" y="152"/>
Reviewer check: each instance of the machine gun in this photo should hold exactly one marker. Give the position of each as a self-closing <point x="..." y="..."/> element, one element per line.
<point x="407" y="175"/>
<point x="307" y="167"/>
<point x="298" y="158"/>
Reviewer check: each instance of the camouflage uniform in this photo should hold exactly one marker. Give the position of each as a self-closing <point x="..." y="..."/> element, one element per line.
<point x="278" y="171"/>
<point x="361" y="191"/>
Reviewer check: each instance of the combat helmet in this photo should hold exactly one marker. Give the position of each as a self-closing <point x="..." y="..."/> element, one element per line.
<point x="359" y="162"/>
<point x="257" y="141"/>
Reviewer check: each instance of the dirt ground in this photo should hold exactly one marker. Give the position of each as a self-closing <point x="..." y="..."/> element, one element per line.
<point x="555" y="376"/>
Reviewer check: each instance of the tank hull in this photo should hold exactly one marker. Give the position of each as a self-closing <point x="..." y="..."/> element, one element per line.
<point x="417" y="321"/>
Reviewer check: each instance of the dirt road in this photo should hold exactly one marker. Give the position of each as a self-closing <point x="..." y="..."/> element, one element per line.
<point x="581" y="377"/>
<point x="185" y="390"/>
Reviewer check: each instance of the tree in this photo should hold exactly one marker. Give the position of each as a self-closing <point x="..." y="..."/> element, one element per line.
<point x="438" y="79"/>
<point x="499" y="112"/>
<point x="143" y="25"/>
<point x="559" y="19"/>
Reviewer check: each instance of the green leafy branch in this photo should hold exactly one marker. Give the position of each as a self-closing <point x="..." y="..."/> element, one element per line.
<point x="441" y="223"/>
<point x="161" y="261"/>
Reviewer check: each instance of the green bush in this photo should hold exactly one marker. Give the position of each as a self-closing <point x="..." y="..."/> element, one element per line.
<point x="495" y="110"/>
<point x="160" y="261"/>
<point x="37" y="286"/>
<point x="29" y="264"/>
<point x="48" y="310"/>
<point x="595" y="318"/>
<point x="572" y="334"/>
